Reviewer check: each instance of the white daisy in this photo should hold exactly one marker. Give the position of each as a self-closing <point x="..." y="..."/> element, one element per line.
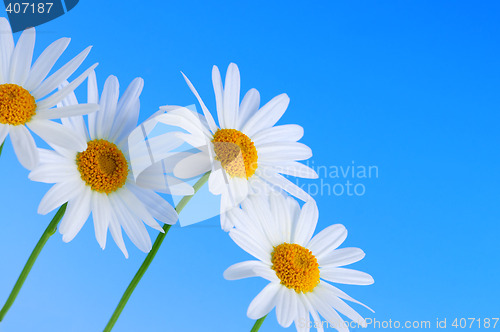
<point x="279" y="234"/>
<point x="24" y="93"/>
<point x="97" y="177"/>
<point x="246" y="150"/>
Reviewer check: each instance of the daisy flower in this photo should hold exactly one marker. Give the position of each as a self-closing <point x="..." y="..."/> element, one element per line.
<point x="277" y="232"/>
<point x="97" y="177"/>
<point x="246" y="152"/>
<point x="24" y="93"/>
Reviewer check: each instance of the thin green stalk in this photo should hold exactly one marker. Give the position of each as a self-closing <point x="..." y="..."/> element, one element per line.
<point x="1" y="147"/>
<point x="257" y="324"/>
<point x="149" y="258"/>
<point x="49" y="231"/>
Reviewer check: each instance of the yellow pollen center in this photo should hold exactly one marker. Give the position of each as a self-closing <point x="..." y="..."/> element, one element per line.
<point x="17" y="105"/>
<point x="236" y="152"/>
<point x="102" y="166"/>
<point x="296" y="267"/>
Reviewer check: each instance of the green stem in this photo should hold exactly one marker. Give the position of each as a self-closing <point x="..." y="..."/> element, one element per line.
<point x="1" y="147"/>
<point x="149" y="258"/>
<point x="257" y="324"/>
<point x="49" y="231"/>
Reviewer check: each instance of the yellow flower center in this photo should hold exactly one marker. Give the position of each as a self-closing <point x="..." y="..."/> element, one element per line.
<point x="17" y="105"/>
<point x="102" y="166"/>
<point x="296" y="267"/>
<point x="236" y="152"/>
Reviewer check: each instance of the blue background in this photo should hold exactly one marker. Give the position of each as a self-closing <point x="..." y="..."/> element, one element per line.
<point x="409" y="86"/>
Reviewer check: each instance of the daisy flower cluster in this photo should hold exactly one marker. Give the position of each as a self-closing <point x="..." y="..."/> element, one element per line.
<point x="245" y="157"/>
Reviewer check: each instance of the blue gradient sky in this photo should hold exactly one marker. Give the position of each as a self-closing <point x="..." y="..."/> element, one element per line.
<point x="411" y="87"/>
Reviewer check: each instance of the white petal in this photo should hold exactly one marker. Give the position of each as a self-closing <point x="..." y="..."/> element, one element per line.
<point x="193" y="165"/>
<point x="302" y="321"/>
<point x="58" y="96"/>
<point x="251" y="246"/>
<point x="238" y="190"/>
<point x="327" y="240"/>
<point x="247" y="223"/>
<point x="145" y="152"/>
<point x="4" y="131"/>
<point x="21" y="58"/>
<point x="55" y="172"/>
<point x="249" y="105"/>
<point x="284" y="133"/>
<point x="136" y="207"/>
<point x="284" y="151"/>
<point x="45" y="62"/>
<point x="243" y="270"/>
<point x="134" y="228"/>
<point x="285" y="184"/>
<point x="107" y="109"/>
<point x="24" y="146"/>
<point x="334" y="291"/>
<point x="341" y="257"/>
<point x="267" y="116"/>
<point x="128" y="110"/>
<point x="158" y="207"/>
<point x="116" y="233"/>
<point x="77" y="124"/>
<point x="216" y="181"/>
<point x="55" y="133"/>
<point x="76" y="215"/>
<point x="318" y="323"/>
<point x="186" y="121"/>
<point x="304" y="229"/>
<point x="264" y="271"/>
<point x="219" y="95"/>
<point x="286" y="306"/>
<point x="102" y="216"/>
<point x="262" y="222"/>
<point x="93" y="97"/>
<point x="66" y="111"/>
<point x="231" y="96"/>
<point x="6" y="48"/>
<point x="196" y="141"/>
<point x="346" y="276"/>
<point x="282" y="218"/>
<point x="59" y="194"/>
<point x="92" y="90"/>
<point x="339" y="305"/>
<point x="264" y="302"/>
<point x="294" y="208"/>
<point x="129" y="123"/>
<point x="206" y="112"/>
<point x="51" y="83"/>
<point x="292" y="168"/>
<point x="50" y="156"/>
<point x="225" y="223"/>
<point x="155" y="178"/>
<point x="327" y="312"/>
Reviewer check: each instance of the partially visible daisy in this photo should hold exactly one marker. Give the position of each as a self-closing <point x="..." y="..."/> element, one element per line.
<point x="246" y="152"/>
<point x="279" y="234"/>
<point x="97" y="178"/>
<point x="24" y="93"/>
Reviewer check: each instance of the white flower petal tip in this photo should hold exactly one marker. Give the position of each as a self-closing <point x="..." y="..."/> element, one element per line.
<point x="328" y="240"/>
<point x="242" y="270"/>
